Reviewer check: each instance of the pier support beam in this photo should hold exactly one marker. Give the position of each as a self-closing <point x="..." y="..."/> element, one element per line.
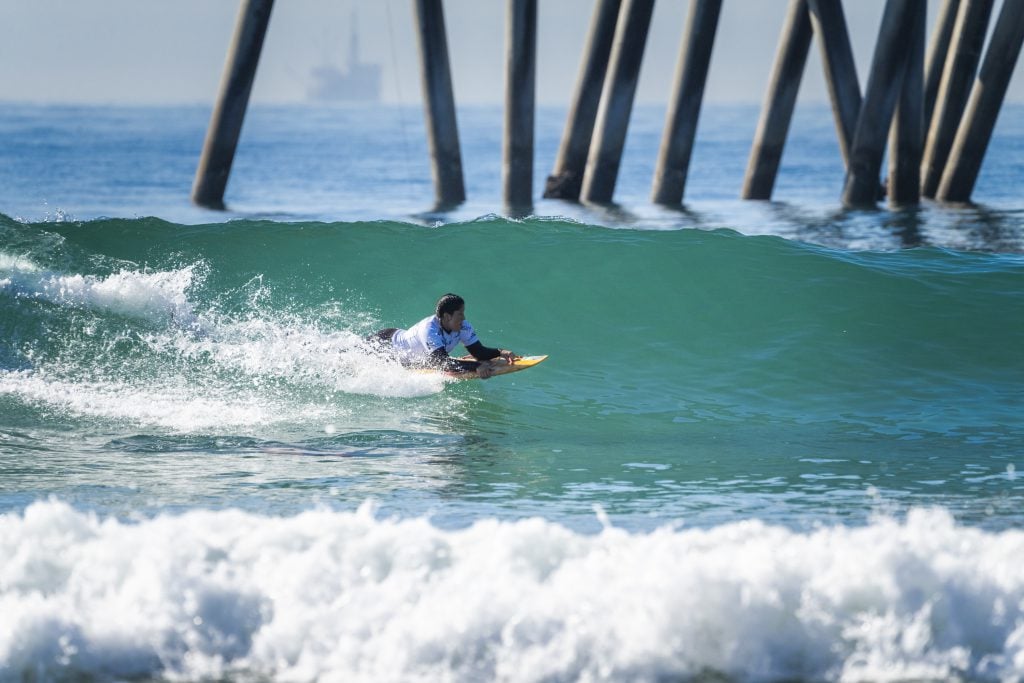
<point x="829" y="24"/>
<point x="617" y="101"/>
<point x="566" y="179"/>
<point x="880" y="98"/>
<point x="780" y="100"/>
<point x="906" y="138"/>
<point x="937" y="52"/>
<point x="520" y="89"/>
<point x="229" y="112"/>
<point x="681" y="122"/>
<point x="961" y="65"/>
<point x="439" y="105"/>
<point x="986" y="100"/>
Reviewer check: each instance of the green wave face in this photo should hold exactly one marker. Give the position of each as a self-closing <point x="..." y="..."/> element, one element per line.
<point x="737" y="354"/>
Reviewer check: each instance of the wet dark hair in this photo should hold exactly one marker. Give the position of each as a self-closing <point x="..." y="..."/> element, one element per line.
<point x="449" y="303"/>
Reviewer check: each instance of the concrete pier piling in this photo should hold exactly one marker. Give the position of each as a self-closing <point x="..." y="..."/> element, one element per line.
<point x="232" y="101"/>
<point x="917" y="101"/>
<point x="566" y="179"/>
<point x="987" y="96"/>
<point x="520" y="89"/>
<point x="616" y="101"/>
<point x="439" y="105"/>
<point x="906" y="137"/>
<point x="961" y="64"/>
<point x="684" y="108"/>
<point x="773" y="126"/>
<point x="938" y="49"/>
<point x="880" y="98"/>
<point x="829" y="24"/>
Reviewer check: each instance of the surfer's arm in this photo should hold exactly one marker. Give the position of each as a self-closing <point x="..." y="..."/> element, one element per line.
<point x="481" y="352"/>
<point x="485" y="355"/>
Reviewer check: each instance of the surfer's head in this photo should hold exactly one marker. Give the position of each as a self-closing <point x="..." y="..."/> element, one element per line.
<point x="449" y="303"/>
<point x="451" y="311"/>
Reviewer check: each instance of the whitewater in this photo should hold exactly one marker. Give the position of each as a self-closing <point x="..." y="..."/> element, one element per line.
<point x="349" y="596"/>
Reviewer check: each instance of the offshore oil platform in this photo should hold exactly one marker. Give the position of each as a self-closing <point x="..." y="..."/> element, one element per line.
<point x="358" y="81"/>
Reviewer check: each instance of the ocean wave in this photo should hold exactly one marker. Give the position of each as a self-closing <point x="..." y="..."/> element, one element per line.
<point x="649" y="321"/>
<point x="329" y="595"/>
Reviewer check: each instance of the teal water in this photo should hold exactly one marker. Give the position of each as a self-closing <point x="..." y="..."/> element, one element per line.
<point x="701" y="375"/>
<point x="773" y="440"/>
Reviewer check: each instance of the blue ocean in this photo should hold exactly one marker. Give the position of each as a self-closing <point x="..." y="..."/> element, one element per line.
<point x="774" y="441"/>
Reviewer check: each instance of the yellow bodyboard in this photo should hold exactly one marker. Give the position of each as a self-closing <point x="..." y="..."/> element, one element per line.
<point x="501" y="367"/>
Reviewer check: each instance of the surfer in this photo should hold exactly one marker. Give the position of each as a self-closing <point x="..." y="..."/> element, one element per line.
<point x="428" y="342"/>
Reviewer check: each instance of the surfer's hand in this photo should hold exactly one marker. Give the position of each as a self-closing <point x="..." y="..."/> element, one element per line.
<point x="485" y="369"/>
<point x="509" y="356"/>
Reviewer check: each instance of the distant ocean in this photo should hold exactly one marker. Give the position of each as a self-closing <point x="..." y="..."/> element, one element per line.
<point x="774" y="440"/>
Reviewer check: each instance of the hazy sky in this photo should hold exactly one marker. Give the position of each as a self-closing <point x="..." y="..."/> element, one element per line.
<point x="151" y="51"/>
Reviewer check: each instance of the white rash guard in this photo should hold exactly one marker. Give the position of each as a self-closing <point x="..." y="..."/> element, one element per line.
<point x="427" y="336"/>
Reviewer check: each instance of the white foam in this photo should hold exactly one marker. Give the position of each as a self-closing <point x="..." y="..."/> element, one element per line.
<point x="159" y="295"/>
<point x="203" y="370"/>
<point x="186" y="404"/>
<point x="346" y="596"/>
<point x="299" y="352"/>
<point x="177" y="407"/>
<point x="10" y="263"/>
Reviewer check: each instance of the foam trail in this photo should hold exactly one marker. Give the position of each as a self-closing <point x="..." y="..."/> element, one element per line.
<point x="182" y="405"/>
<point x="177" y="408"/>
<point x="159" y="295"/>
<point x="197" y="369"/>
<point x="11" y="263"/>
<point x="294" y="350"/>
<point x="346" y="596"/>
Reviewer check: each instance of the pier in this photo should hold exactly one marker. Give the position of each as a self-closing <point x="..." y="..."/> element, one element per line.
<point x="930" y="111"/>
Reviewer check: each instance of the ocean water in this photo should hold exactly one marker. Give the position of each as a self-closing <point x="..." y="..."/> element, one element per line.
<point x="773" y="441"/>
